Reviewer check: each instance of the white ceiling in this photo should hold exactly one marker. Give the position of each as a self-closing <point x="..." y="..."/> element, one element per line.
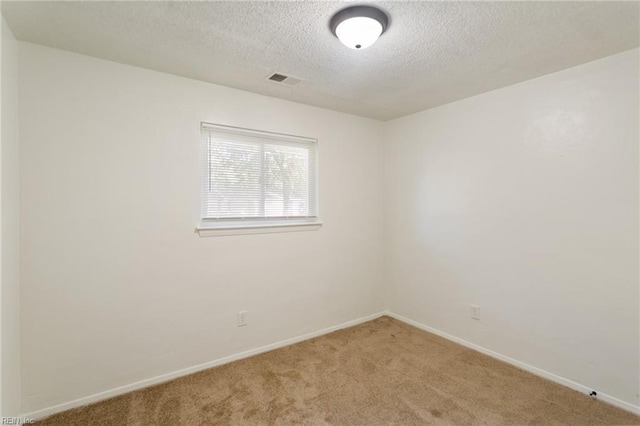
<point x="433" y="53"/>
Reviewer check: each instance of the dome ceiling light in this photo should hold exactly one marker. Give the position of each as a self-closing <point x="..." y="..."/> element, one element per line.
<point x="358" y="27"/>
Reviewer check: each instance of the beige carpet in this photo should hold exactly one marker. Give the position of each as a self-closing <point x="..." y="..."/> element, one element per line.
<point x="378" y="373"/>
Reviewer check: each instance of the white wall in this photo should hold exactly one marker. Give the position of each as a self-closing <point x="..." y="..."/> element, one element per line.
<point x="117" y="286"/>
<point x="10" y="230"/>
<point x="525" y="201"/>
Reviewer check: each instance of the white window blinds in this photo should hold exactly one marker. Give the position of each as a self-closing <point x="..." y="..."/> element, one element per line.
<point x="254" y="175"/>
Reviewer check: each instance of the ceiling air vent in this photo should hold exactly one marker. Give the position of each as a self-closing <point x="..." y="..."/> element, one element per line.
<point x="278" y="77"/>
<point x="284" y="79"/>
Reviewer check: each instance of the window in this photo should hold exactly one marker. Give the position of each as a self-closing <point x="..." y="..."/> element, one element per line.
<point x="255" y="179"/>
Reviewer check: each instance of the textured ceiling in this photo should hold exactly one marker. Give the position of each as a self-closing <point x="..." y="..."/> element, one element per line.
<point x="433" y="53"/>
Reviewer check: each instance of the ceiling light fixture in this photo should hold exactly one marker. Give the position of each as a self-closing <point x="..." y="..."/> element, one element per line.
<point x="358" y="27"/>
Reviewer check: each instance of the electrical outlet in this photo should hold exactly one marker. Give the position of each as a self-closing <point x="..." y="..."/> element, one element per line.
<point x="475" y="312"/>
<point x="242" y="318"/>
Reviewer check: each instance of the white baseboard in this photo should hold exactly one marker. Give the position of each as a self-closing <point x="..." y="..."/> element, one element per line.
<point x="190" y="370"/>
<point x="531" y="369"/>
<point x="225" y="360"/>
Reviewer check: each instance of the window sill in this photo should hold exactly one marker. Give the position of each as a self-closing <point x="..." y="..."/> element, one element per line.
<point x="218" y="231"/>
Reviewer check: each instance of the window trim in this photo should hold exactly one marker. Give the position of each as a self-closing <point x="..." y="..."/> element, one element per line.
<point x="257" y="225"/>
<point x="265" y="228"/>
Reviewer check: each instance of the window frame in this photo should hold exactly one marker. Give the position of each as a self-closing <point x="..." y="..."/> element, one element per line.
<point x="261" y="224"/>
